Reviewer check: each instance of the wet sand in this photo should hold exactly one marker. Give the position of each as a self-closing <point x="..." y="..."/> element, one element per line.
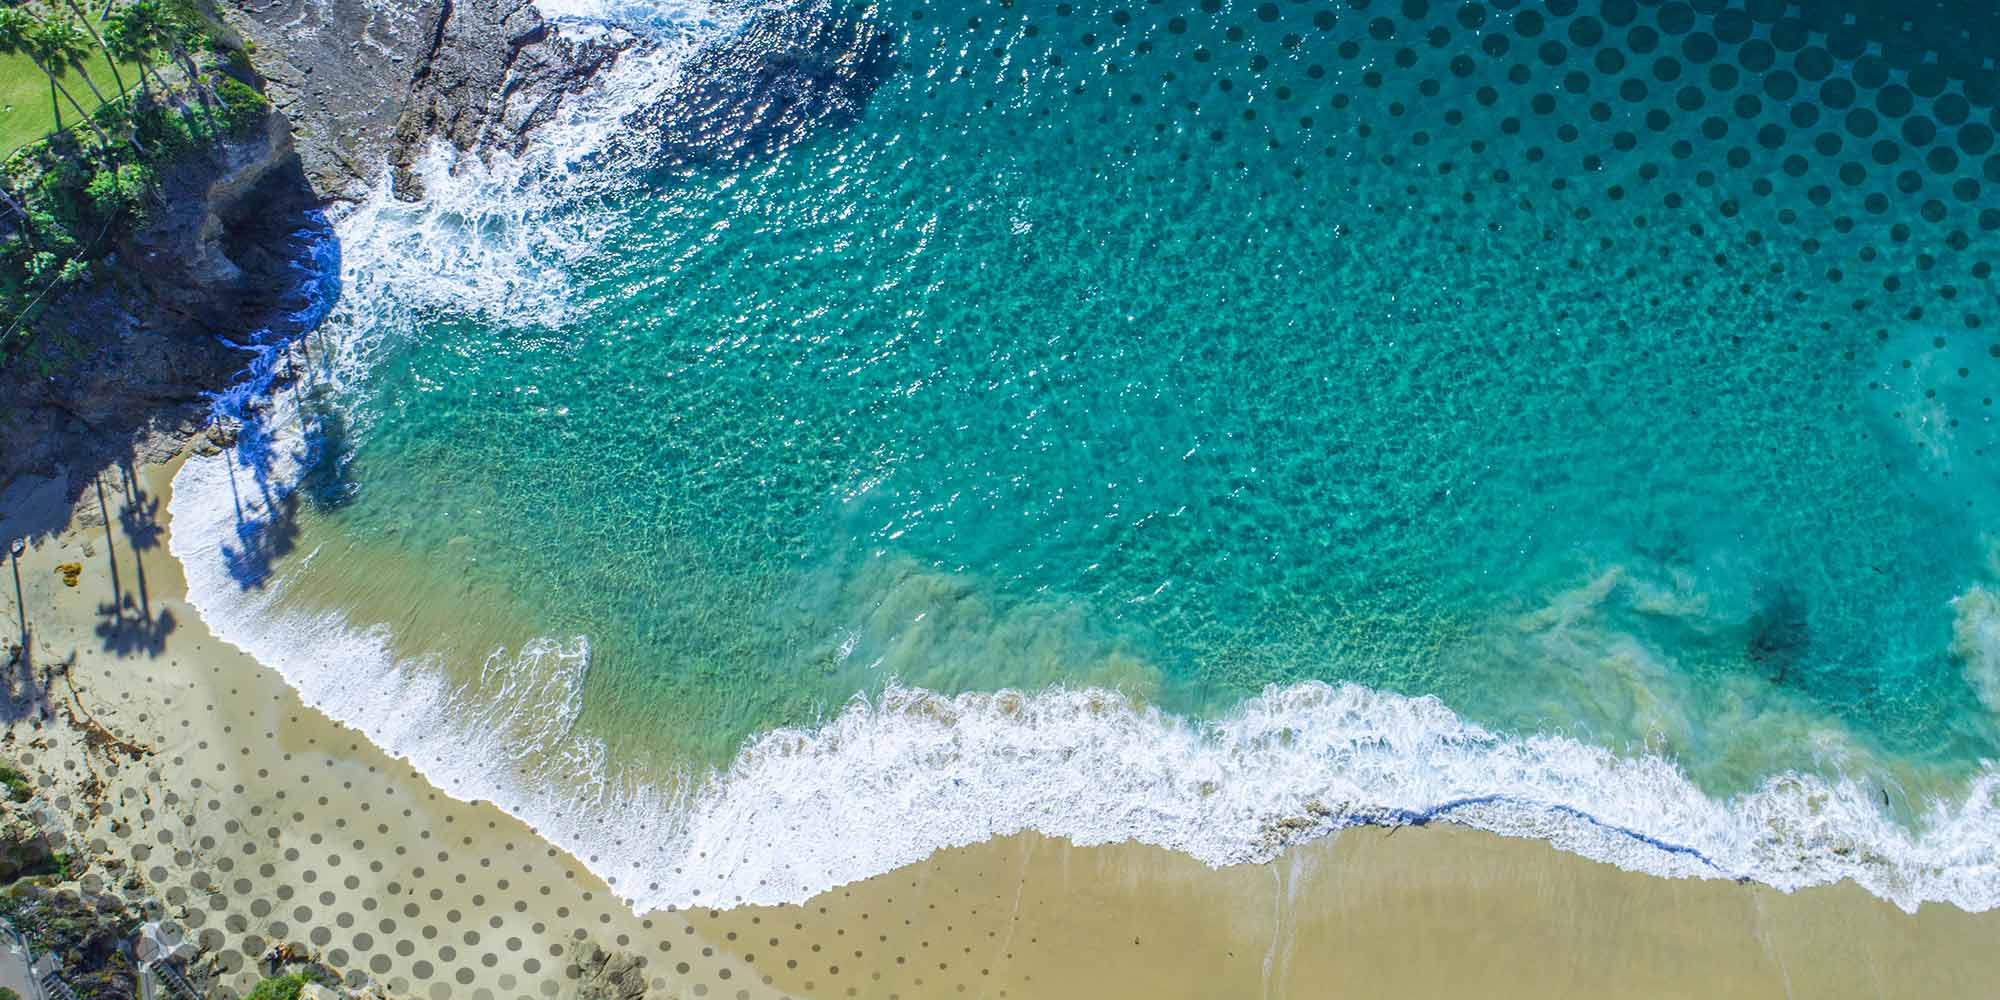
<point x="195" y="783"/>
<point x="1422" y="912"/>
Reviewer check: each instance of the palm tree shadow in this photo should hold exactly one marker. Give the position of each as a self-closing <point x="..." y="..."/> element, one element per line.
<point x="124" y="629"/>
<point x="261" y="538"/>
<point x="139" y="517"/>
<point x="127" y="623"/>
<point x="22" y="694"/>
<point x="266" y="502"/>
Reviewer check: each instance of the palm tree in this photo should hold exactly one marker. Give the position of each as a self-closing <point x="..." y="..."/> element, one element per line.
<point x="141" y="33"/>
<point x="55" y="46"/>
<point x="170" y="32"/>
<point x="17" y="28"/>
<point x="82" y="52"/>
<point x="83" y="18"/>
<point x="132" y="34"/>
<point x="20" y="211"/>
<point x="75" y="48"/>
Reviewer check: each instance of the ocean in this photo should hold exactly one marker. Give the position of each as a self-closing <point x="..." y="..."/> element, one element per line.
<point x="1211" y="425"/>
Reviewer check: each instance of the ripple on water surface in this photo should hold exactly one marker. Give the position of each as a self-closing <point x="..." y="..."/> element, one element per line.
<point x="1559" y="365"/>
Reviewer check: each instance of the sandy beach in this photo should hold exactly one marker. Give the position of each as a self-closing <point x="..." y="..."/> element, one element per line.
<point x="195" y="784"/>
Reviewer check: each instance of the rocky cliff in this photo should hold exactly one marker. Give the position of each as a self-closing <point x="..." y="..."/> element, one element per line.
<point x="119" y="366"/>
<point x="494" y="71"/>
<point x="369" y="84"/>
<point x="359" y="89"/>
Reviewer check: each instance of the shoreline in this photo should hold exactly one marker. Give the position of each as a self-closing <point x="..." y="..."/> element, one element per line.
<point x="1085" y="765"/>
<point x="363" y="861"/>
<point x="286" y="788"/>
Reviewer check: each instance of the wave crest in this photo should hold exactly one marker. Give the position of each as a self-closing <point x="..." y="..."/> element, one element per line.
<point x="886" y="783"/>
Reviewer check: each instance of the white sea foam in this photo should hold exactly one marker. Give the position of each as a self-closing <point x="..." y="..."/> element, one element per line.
<point x="1976" y="641"/>
<point x="886" y="782"/>
<point x="497" y="237"/>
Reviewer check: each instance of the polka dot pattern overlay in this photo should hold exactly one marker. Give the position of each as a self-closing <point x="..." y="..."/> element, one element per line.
<point x="1854" y="138"/>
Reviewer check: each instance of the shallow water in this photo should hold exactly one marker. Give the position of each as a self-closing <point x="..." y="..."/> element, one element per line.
<point x="1544" y="362"/>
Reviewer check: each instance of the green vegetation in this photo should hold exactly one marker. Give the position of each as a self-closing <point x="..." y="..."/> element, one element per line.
<point x="60" y="923"/>
<point x="85" y="931"/>
<point x="25" y="115"/>
<point x="17" y="786"/>
<point x="289" y="985"/>
<point x="8" y="993"/>
<point x="65" y="198"/>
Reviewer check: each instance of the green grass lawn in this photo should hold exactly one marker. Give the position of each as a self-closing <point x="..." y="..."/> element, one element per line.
<point x="25" y="115"/>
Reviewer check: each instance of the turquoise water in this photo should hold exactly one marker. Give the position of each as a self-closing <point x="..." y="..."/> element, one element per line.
<point x="1008" y="384"/>
<point x="1189" y="351"/>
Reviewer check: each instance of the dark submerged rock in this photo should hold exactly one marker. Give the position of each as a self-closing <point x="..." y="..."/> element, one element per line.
<point x="762" y="90"/>
<point x="1780" y="634"/>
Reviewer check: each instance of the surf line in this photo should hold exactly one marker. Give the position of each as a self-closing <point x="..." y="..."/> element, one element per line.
<point x="1394" y="818"/>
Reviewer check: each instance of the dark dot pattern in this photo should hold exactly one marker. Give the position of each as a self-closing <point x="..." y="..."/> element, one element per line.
<point x="1851" y="142"/>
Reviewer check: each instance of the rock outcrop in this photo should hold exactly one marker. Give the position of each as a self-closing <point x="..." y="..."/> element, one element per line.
<point x="24" y="848"/>
<point x="86" y="931"/>
<point x="604" y="975"/>
<point x="338" y="71"/>
<point x="119" y="364"/>
<point x="367" y="85"/>
<point x="495" y="70"/>
<point x="212" y="206"/>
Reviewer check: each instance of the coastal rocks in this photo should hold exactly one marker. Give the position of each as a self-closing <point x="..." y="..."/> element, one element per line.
<point x="339" y="71"/>
<point x="219" y="435"/>
<point x="495" y="70"/>
<point x="1315" y="819"/>
<point x="87" y="933"/>
<point x="602" y="975"/>
<point x="24" y="849"/>
<point x="367" y="85"/>
<point x="788" y="73"/>
<point x="12" y="781"/>
<point x="120" y="362"/>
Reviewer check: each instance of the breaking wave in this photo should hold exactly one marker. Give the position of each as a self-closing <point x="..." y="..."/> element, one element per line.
<point x="888" y="781"/>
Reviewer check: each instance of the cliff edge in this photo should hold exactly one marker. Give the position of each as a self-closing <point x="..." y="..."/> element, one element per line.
<point x="117" y="367"/>
<point x="368" y="86"/>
